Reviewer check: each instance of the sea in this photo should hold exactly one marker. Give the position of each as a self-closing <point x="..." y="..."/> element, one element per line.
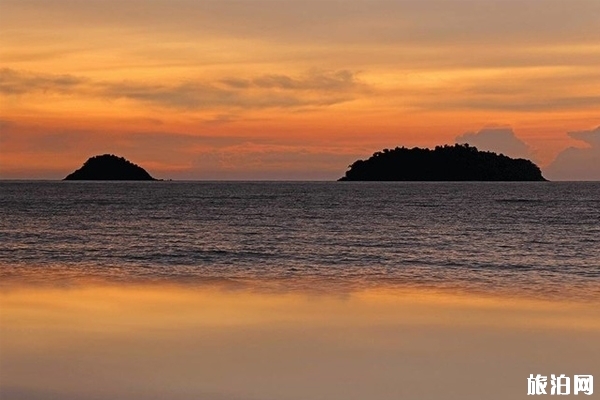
<point x="530" y="238"/>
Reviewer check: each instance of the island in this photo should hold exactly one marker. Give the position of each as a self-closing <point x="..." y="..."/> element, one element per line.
<point x="109" y="167"/>
<point x="459" y="162"/>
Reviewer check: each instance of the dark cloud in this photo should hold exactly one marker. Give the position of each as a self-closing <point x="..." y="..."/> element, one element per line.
<point x="14" y="82"/>
<point x="578" y="163"/>
<point x="266" y="91"/>
<point x="499" y="140"/>
<point x="186" y="95"/>
<point x="325" y="81"/>
<point x="236" y="83"/>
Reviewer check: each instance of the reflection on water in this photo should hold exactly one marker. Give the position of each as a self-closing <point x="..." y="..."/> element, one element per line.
<point x="219" y="341"/>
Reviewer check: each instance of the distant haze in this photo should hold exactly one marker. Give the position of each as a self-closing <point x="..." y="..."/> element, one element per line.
<point x="294" y="89"/>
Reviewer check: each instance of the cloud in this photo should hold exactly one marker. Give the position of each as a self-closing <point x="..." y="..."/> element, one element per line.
<point x="498" y="140"/>
<point x="321" y="81"/>
<point x="265" y="91"/>
<point x="236" y="83"/>
<point x="199" y="96"/>
<point x="578" y="163"/>
<point x="183" y="96"/>
<point x="590" y="137"/>
<point x="14" y="82"/>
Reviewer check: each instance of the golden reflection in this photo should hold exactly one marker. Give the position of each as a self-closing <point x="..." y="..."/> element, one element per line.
<point x="228" y="342"/>
<point x="91" y="307"/>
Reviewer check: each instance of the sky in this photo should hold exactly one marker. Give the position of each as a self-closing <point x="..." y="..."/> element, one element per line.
<point x="295" y="89"/>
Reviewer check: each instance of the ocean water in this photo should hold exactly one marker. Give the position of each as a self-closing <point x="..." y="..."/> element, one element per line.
<point x="295" y="291"/>
<point x="540" y="239"/>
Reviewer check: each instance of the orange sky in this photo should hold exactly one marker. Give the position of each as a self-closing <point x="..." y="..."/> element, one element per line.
<point x="294" y="89"/>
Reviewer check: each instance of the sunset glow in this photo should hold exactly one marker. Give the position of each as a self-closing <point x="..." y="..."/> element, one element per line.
<point x="291" y="89"/>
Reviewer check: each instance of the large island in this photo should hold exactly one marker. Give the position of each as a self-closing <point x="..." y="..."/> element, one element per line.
<point x="460" y="162"/>
<point x="109" y="167"/>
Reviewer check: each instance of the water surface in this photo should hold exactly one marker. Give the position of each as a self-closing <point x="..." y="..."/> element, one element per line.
<point x="295" y="291"/>
<point x="542" y="238"/>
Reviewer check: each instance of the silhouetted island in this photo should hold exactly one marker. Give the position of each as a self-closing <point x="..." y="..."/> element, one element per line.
<point x="460" y="162"/>
<point x="109" y="167"/>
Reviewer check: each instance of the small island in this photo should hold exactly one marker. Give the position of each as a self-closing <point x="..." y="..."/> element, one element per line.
<point x="460" y="162"/>
<point x="109" y="167"/>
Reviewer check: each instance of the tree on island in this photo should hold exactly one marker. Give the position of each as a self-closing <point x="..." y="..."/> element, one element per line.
<point x="444" y="163"/>
<point x="109" y="167"/>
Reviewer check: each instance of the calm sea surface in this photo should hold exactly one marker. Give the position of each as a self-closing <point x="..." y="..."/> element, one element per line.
<point x="534" y="238"/>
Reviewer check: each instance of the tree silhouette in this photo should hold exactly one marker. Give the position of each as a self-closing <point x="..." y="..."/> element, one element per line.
<point x="110" y="167"/>
<point x="460" y="162"/>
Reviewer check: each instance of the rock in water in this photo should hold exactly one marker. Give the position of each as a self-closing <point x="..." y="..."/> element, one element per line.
<point x="444" y="163"/>
<point x="109" y="167"/>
